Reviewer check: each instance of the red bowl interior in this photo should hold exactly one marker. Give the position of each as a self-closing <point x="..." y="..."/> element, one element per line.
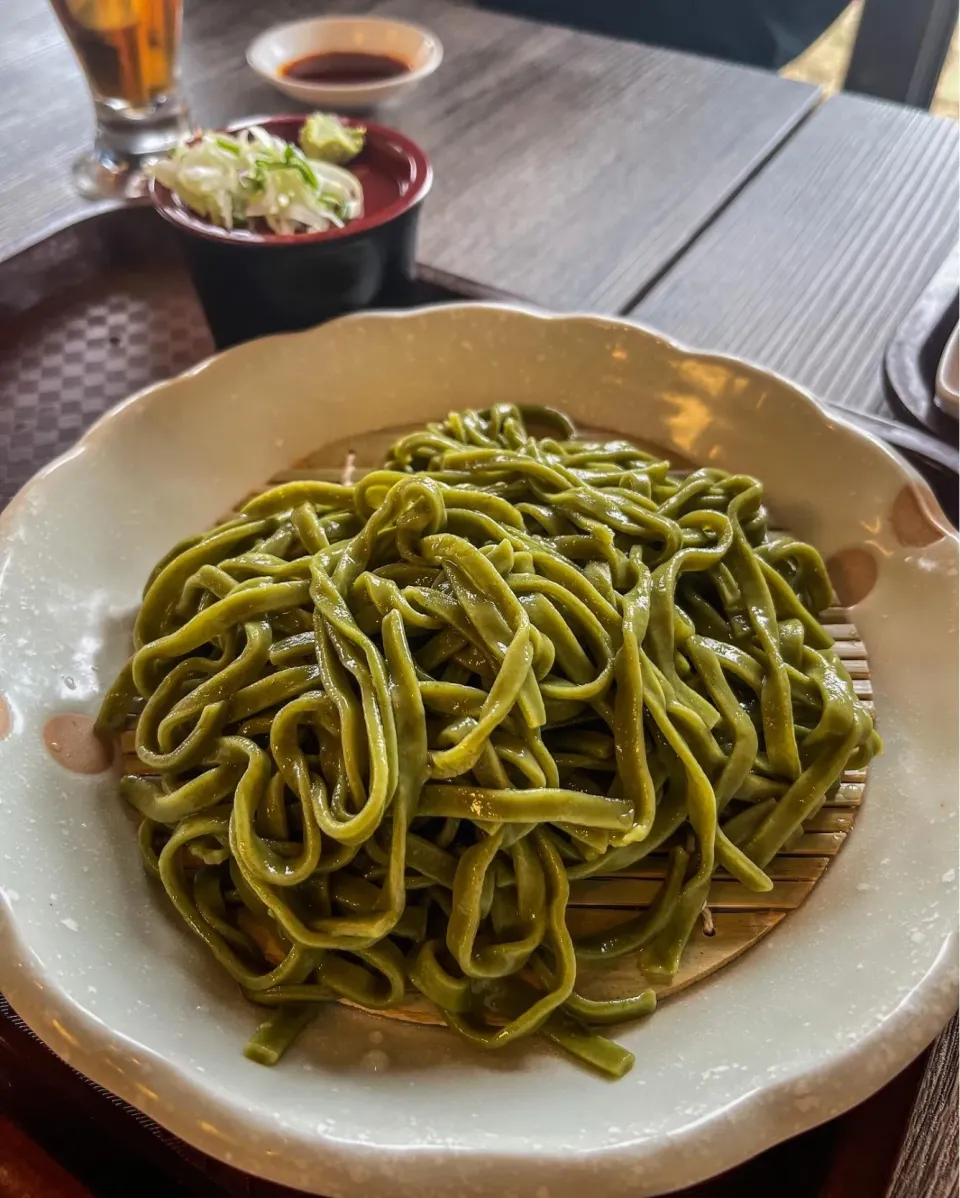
<point x="393" y="171"/>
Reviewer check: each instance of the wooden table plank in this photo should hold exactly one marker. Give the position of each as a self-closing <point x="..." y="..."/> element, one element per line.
<point x="570" y="169"/>
<point x="928" y="1160"/>
<point x="811" y="269"/>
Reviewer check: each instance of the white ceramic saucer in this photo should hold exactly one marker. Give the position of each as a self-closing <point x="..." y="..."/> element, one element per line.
<point x="272" y="50"/>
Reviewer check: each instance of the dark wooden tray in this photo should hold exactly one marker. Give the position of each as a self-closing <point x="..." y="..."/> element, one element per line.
<point x="91" y="314"/>
<point x="913" y="355"/>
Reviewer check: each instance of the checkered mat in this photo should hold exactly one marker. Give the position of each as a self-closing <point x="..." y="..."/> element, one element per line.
<point x="65" y="361"/>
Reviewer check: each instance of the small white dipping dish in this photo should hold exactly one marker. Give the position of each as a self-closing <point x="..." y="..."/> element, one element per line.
<point x="277" y="47"/>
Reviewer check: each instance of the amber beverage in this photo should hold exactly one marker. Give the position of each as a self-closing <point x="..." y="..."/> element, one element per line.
<point x="128" y="50"/>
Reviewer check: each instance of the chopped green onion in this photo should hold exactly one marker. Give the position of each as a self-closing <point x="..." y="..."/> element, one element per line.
<point x="255" y="176"/>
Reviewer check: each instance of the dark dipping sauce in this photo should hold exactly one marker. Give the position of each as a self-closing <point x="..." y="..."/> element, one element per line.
<point x="344" y="67"/>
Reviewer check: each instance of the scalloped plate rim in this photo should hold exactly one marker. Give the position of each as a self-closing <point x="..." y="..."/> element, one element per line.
<point x="761" y="1118"/>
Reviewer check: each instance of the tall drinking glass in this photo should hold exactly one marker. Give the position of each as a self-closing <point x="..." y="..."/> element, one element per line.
<point x="128" y="50"/>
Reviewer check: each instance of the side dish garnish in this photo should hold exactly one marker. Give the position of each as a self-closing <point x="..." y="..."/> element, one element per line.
<point x="254" y="180"/>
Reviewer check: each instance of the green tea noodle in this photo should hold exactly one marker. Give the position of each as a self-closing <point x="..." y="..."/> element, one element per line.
<point x="385" y="725"/>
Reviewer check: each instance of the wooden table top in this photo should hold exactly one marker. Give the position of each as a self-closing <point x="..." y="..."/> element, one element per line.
<point x="570" y="169"/>
<point x="811" y="269"/>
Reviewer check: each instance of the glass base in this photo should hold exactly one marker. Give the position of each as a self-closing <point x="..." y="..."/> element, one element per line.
<point x="97" y="178"/>
<point x="125" y="142"/>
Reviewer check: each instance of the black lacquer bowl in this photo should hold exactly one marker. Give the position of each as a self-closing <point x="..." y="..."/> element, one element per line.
<point x="251" y="283"/>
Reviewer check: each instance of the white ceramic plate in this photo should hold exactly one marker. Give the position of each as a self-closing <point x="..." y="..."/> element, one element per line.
<point x="825" y="1010"/>
<point x="276" y="47"/>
